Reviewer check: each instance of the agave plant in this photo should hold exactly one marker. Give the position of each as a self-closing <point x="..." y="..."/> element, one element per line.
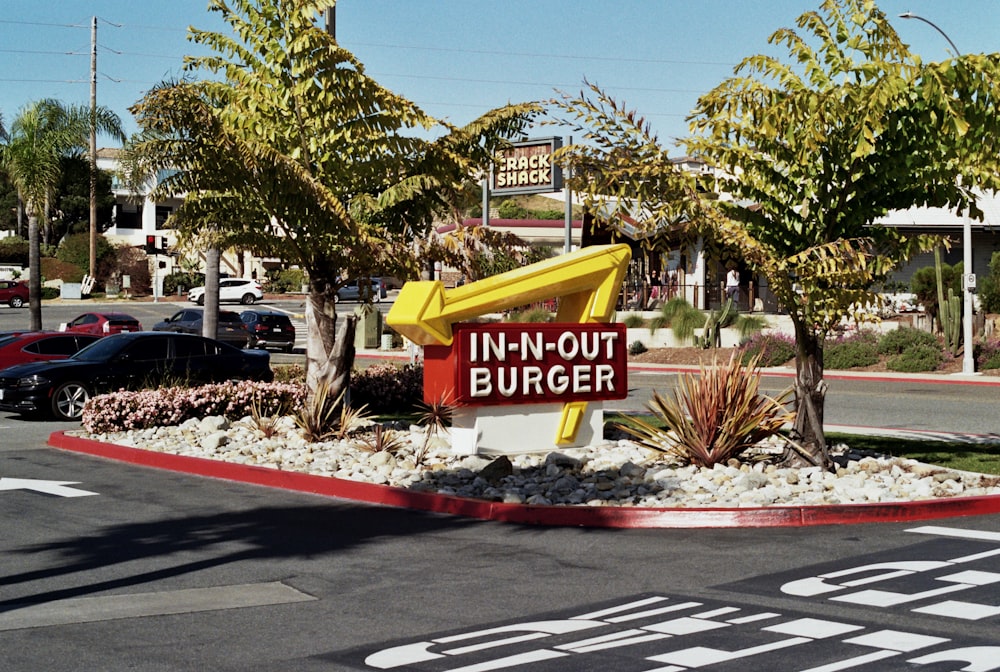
<point x="713" y="416"/>
<point x="322" y="418"/>
<point x="436" y="417"/>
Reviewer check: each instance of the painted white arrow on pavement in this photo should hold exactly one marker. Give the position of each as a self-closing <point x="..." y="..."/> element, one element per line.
<point x="57" y="488"/>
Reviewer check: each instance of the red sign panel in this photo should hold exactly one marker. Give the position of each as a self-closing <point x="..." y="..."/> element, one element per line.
<point x="492" y="364"/>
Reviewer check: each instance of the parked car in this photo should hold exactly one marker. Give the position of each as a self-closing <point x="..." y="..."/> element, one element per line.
<point x="102" y="324"/>
<point x="14" y="293"/>
<point x="231" y="289"/>
<point x="230" y="328"/>
<point x="125" y="361"/>
<point x="40" y="346"/>
<point x="351" y="291"/>
<point x="269" y="329"/>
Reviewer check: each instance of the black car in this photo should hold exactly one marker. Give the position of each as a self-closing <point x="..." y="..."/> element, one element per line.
<point x="230" y="328"/>
<point x="269" y="329"/>
<point x="125" y="361"/>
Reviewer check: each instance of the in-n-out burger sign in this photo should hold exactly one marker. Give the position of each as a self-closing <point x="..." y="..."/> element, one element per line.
<point x="493" y="364"/>
<point x="526" y="168"/>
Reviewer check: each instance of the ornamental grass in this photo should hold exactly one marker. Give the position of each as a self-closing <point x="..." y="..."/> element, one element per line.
<point x="713" y="416"/>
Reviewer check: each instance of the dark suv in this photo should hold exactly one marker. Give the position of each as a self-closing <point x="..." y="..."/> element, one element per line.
<point x="230" y="328"/>
<point x="269" y="329"/>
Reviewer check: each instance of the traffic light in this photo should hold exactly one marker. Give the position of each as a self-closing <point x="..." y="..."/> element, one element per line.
<point x="150" y="244"/>
<point x="163" y="245"/>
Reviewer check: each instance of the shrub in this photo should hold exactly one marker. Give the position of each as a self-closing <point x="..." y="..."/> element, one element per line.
<point x="14" y="250"/>
<point x="633" y="321"/>
<point x="987" y="354"/>
<point x="127" y="409"/>
<point x="854" y="350"/>
<point x="530" y="315"/>
<point x="714" y="415"/>
<point x="989" y="287"/>
<point x="289" y="373"/>
<point x="637" y="348"/>
<point x="54" y="269"/>
<point x="924" y="285"/>
<point x="770" y="349"/>
<point x="388" y="388"/>
<point x="680" y="316"/>
<point x="916" y="358"/>
<point x="182" y="280"/>
<point x="285" y="280"/>
<point x="899" y="340"/>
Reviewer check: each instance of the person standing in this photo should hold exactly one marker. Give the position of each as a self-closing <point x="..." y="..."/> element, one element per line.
<point x="733" y="284"/>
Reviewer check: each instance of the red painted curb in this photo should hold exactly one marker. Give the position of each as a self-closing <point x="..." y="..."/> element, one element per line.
<point x="577" y="516"/>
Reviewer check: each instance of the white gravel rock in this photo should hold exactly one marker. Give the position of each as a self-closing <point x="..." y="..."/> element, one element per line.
<point x="611" y="473"/>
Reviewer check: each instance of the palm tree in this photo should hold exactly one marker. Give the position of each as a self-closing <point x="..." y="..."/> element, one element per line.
<point x="40" y="135"/>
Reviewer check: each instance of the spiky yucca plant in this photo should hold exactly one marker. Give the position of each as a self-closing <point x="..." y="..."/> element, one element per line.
<point x="322" y="418"/>
<point x="436" y="417"/>
<point x="714" y="415"/>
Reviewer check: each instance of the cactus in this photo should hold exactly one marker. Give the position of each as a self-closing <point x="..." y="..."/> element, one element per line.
<point x="711" y="335"/>
<point x="949" y="312"/>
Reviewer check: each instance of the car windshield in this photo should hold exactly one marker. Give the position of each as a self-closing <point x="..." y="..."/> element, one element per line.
<point x="101" y="350"/>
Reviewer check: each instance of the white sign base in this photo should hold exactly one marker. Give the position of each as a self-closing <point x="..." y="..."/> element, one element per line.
<point x="521" y="428"/>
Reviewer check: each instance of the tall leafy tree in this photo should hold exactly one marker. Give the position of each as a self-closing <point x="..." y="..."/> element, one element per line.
<point x="812" y="149"/>
<point x="290" y="149"/>
<point x="40" y="136"/>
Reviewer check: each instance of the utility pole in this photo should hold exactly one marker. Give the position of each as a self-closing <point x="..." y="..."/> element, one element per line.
<point x="93" y="148"/>
<point x="331" y="21"/>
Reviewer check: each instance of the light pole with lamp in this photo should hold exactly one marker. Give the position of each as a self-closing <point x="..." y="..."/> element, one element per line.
<point x="968" y="277"/>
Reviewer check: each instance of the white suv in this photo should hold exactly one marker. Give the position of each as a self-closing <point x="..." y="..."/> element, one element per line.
<point x="231" y="289"/>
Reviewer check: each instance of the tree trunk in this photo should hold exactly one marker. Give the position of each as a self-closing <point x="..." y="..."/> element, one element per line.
<point x="810" y="396"/>
<point x="329" y="345"/>
<point x="34" y="270"/>
<point x="210" y="319"/>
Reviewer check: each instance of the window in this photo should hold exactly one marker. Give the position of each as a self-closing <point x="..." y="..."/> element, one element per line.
<point x="148" y="349"/>
<point x="58" y="345"/>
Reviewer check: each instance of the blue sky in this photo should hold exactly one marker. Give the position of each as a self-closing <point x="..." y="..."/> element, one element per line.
<point x="458" y="58"/>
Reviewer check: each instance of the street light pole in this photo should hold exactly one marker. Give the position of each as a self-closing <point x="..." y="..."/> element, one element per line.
<point x="968" y="277"/>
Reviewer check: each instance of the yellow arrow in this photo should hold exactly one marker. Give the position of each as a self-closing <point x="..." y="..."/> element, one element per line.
<point x="586" y="282"/>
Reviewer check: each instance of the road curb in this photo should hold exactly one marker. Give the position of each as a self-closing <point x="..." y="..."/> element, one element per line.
<point x="554" y="516"/>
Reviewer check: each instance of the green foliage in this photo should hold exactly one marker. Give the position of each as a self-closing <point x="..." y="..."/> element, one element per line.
<point x="711" y="336"/>
<point x="856" y="350"/>
<point x="987" y="354"/>
<point x="75" y="249"/>
<point x="285" y="280"/>
<point x="923" y="284"/>
<point x="637" y="348"/>
<point x="916" y="358"/>
<point x="510" y="209"/>
<point x="14" y="250"/>
<point x="989" y="288"/>
<point x="713" y="416"/>
<point x="633" y="321"/>
<point x="768" y="350"/>
<point x="680" y="316"/>
<point x="747" y="325"/>
<point x="182" y="280"/>
<point x="897" y="341"/>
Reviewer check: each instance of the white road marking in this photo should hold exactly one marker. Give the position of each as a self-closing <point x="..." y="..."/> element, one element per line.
<point x="955" y="532"/>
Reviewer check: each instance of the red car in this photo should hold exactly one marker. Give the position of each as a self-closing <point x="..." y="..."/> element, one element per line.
<point x="102" y="324"/>
<point x="38" y="346"/>
<point x="14" y="293"/>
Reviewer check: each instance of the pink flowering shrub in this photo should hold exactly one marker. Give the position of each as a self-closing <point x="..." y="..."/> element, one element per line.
<point x="140" y="409"/>
<point x="388" y="388"/>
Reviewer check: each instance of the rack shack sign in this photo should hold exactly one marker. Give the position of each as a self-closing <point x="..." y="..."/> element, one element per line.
<point x="526" y="168"/>
<point x="528" y="363"/>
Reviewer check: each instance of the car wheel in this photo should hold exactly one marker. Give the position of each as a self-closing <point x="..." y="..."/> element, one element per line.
<point x="16" y="302"/>
<point x="200" y="300"/>
<point x="248" y="299"/>
<point x="68" y="400"/>
<point x="288" y="349"/>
